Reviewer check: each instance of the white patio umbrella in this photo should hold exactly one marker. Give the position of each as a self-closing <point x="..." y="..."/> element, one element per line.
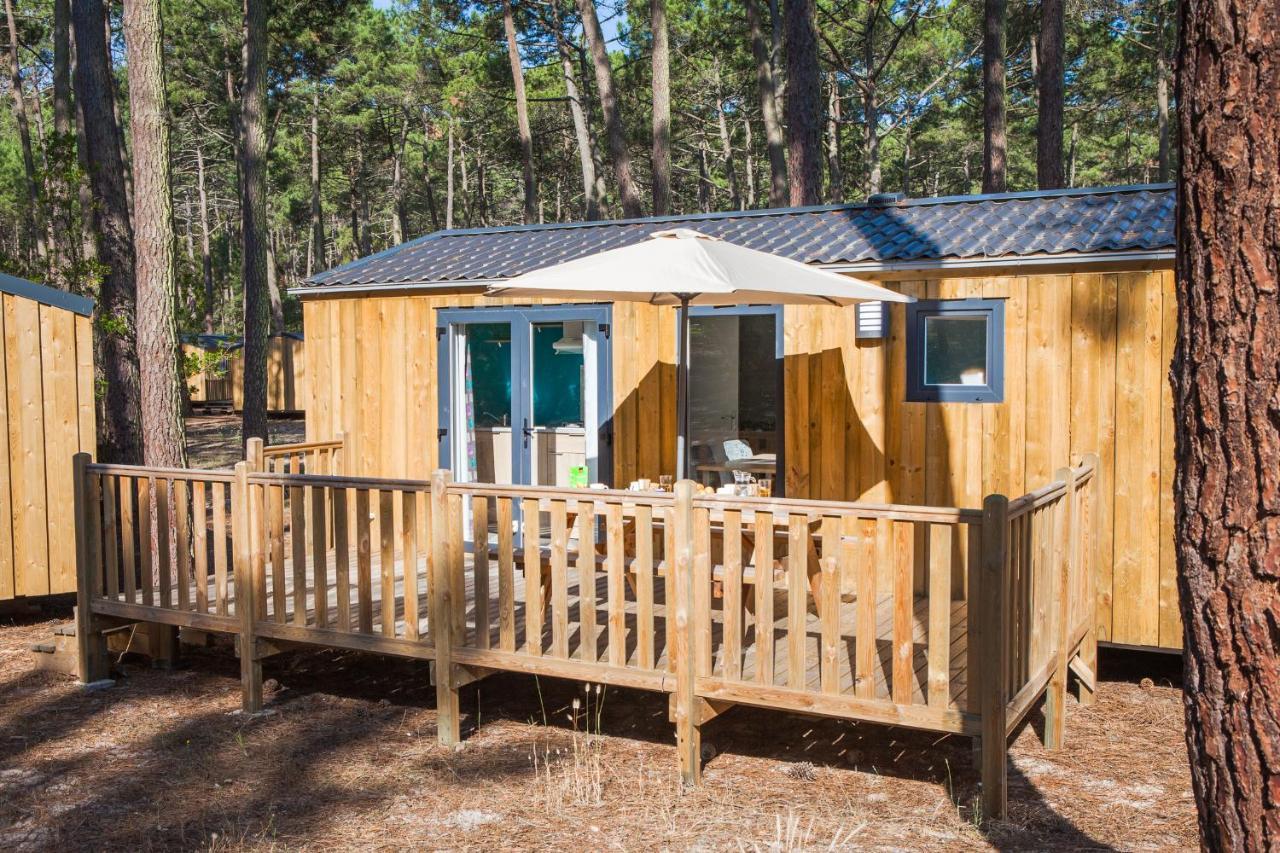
<point x="682" y="267"/>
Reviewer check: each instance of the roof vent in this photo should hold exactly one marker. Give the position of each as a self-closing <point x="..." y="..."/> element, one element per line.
<point x="886" y="199"/>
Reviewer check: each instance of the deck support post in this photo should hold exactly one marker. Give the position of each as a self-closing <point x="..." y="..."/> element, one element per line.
<point x="442" y="603"/>
<point x="246" y="607"/>
<point x="92" y="663"/>
<point x="993" y="656"/>
<point x="163" y="643"/>
<point x="688" y="728"/>
<point x="1064" y="560"/>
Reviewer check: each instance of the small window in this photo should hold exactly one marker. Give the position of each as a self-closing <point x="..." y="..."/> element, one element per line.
<point x="955" y="351"/>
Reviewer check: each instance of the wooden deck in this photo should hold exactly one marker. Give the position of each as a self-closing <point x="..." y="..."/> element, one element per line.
<point x="862" y="609"/>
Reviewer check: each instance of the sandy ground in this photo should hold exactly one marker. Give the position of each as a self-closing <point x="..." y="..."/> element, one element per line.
<point x="345" y="757"/>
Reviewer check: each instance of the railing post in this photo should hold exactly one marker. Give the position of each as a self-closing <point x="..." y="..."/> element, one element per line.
<point x="443" y="600"/>
<point x="92" y="662"/>
<point x="253" y="454"/>
<point x="1064" y="535"/>
<point x="992" y="660"/>
<point x="683" y="660"/>
<point x="246" y="606"/>
<point x="1087" y="566"/>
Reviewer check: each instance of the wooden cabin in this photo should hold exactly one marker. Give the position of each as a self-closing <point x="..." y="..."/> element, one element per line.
<point x="213" y="384"/>
<point x="46" y="418"/>
<point x="1043" y="332"/>
<point x="286" y="374"/>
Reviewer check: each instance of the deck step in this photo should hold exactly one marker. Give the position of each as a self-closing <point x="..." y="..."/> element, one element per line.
<point x="58" y="653"/>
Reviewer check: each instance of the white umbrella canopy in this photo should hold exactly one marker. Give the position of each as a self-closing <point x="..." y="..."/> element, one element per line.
<point x="685" y="267"/>
<point x="682" y="267"/>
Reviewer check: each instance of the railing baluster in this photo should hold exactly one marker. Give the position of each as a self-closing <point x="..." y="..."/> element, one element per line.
<point x="111" y="534"/>
<point x="364" y="563"/>
<point x="763" y="559"/>
<point x="506" y="576"/>
<point x="220" y="545"/>
<point x="865" y="641"/>
<point x="731" y="596"/>
<point x="144" y="540"/>
<point x="903" y="618"/>
<point x="644" y="586"/>
<point x="319" y="554"/>
<point x="614" y="557"/>
<point x="829" y="606"/>
<point x="275" y="535"/>
<point x="409" y="555"/>
<point x="298" y="541"/>
<point x="588" y="639"/>
<point x="938" y="548"/>
<point x="797" y="599"/>
<point x="533" y="580"/>
<point x="128" y="541"/>
<point x="480" y="559"/>
<point x="387" y="559"/>
<point x="182" y="510"/>
<point x="559" y="580"/>
<point x="342" y="558"/>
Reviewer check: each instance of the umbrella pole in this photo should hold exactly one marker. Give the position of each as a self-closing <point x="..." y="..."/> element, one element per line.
<point x="682" y="389"/>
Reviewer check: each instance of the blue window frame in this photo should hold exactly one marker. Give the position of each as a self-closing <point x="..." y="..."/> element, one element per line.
<point x="955" y="351"/>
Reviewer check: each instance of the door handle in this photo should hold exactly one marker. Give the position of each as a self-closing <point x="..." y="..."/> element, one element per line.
<point x="527" y="432"/>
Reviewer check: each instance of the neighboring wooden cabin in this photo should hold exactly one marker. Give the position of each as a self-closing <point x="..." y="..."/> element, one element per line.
<point x="47" y="413"/>
<point x="1083" y="280"/>
<point x="211" y="385"/>
<point x="286" y="374"/>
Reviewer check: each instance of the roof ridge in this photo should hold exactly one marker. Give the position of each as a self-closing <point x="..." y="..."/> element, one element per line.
<point x="921" y="201"/>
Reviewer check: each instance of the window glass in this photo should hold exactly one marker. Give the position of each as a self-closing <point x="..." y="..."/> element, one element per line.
<point x="955" y="350"/>
<point x="489" y="373"/>
<point x="558" y="366"/>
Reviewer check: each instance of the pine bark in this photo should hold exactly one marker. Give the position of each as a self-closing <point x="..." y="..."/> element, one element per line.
<point x="1226" y="383"/>
<point x="612" y="110"/>
<point x="766" y="82"/>
<point x="253" y="218"/>
<point x="835" y="174"/>
<point x="63" y="269"/>
<point x="581" y="131"/>
<point x="34" y="222"/>
<point x="319" y="255"/>
<point x="1162" y="103"/>
<point x="1050" y="83"/>
<point x="163" y="435"/>
<point x="119" y="433"/>
<point x="522" y="115"/>
<point x="993" y="97"/>
<point x="804" y="102"/>
<point x="661" y="66"/>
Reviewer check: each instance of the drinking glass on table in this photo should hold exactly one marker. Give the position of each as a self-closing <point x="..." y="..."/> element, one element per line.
<point x="764" y="487"/>
<point x="666" y="482"/>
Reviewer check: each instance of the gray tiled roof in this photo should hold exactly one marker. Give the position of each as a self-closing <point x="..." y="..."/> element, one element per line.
<point x="1009" y="224"/>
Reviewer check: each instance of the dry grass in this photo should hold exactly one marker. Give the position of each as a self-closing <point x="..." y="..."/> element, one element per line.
<point x="345" y="758"/>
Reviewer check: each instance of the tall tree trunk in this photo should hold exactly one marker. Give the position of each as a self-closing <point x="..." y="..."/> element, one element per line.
<point x="750" y="168"/>
<point x="119" y="438"/>
<point x="63" y="269"/>
<point x="1226" y="381"/>
<point x="726" y="150"/>
<point x="427" y="180"/>
<point x="33" y="223"/>
<point x="163" y="435"/>
<point x="448" y="183"/>
<point x="522" y="116"/>
<point x="399" y="214"/>
<point x="766" y="82"/>
<point x="1071" y="158"/>
<point x="1049" y="173"/>
<point x="1162" y="100"/>
<point x="611" y="109"/>
<point x="804" y="104"/>
<point x="317" y="206"/>
<point x="253" y="218"/>
<point x="273" y="287"/>
<point x="835" y="175"/>
<point x="206" y="257"/>
<point x="661" y="109"/>
<point x="581" y="131"/>
<point x="993" y="97"/>
<point x="704" y="179"/>
<point x="88" y="220"/>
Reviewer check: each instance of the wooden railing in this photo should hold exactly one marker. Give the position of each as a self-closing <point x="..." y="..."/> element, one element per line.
<point x="954" y="620"/>
<point x="307" y="457"/>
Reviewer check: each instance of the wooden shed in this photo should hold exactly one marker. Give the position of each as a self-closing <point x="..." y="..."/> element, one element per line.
<point x="1043" y="332"/>
<point x="286" y="374"/>
<point x="212" y="385"/>
<point x="47" y="410"/>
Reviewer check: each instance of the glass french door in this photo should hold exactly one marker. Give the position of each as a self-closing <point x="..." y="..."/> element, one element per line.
<point x="525" y="394"/>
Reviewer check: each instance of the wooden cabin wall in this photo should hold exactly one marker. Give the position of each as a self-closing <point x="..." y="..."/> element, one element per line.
<point x="373" y="360"/>
<point x="286" y="375"/>
<point x="46" y="417"/>
<point x="1086" y="361"/>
